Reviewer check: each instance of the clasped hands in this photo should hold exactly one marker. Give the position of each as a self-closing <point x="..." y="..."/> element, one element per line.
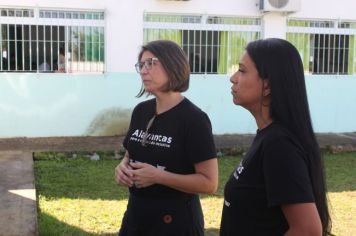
<point x="136" y="174"/>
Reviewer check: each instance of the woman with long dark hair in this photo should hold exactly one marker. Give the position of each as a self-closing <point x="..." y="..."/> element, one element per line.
<point x="279" y="187"/>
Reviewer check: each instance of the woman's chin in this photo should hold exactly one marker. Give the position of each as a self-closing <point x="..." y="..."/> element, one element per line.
<point x="235" y="101"/>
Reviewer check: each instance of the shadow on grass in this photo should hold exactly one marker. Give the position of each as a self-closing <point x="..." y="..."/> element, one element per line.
<point x="48" y="226"/>
<point x="211" y="232"/>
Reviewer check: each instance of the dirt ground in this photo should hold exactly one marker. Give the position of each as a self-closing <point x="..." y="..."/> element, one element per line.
<point x="334" y="142"/>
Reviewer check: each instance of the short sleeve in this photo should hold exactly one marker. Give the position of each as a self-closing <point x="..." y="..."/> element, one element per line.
<point x="129" y="131"/>
<point x="199" y="140"/>
<point x="286" y="173"/>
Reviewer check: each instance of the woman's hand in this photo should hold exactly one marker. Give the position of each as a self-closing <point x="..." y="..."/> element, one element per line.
<point x="204" y="180"/>
<point x="123" y="172"/>
<point x="144" y="174"/>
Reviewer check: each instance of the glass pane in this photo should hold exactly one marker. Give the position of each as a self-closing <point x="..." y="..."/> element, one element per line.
<point x="96" y="52"/>
<point x="89" y="15"/>
<point x="48" y="32"/>
<point x="26" y="51"/>
<point x="3" y="12"/>
<point x="48" y="14"/>
<point x="5" y="55"/>
<point x="89" y="51"/>
<point x="41" y="56"/>
<point x="4" y="31"/>
<point x="68" y="15"/>
<point x="18" y="13"/>
<point x="75" y="52"/>
<point x="33" y="32"/>
<point x="18" y="32"/>
<point x="54" y="33"/>
<point x="88" y="34"/>
<point x="82" y="52"/>
<point x="19" y="55"/>
<point x="40" y="32"/>
<point x="102" y="52"/>
<point x="12" y="55"/>
<point x="48" y="57"/>
<point x="95" y="35"/>
<point x="96" y="16"/>
<point x="61" y="33"/>
<point x="11" y="13"/>
<point x="81" y="34"/>
<point x="101" y="32"/>
<point x="55" y="55"/>
<point x="26" y="32"/>
<point x="11" y="32"/>
<point x="34" y="55"/>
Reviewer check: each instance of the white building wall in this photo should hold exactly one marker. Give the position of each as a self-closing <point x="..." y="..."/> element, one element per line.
<point x="34" y="105"/>
<point x="326" y="9"/>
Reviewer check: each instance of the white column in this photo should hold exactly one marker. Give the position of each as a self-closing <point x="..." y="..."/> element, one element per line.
<point x="274" y="25"/>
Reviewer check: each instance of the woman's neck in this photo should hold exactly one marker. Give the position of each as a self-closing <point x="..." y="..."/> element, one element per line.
<point x="166" y="101"/>
<point x="261" y="124"/>
<point x="262" y="117"/>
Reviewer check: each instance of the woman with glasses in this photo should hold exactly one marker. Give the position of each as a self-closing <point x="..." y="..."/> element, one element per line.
<point x="278" y="188"/>
<point x="170" y="155"/>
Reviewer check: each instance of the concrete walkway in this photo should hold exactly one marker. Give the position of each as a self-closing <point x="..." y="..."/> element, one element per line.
<point x="17" y="194"/>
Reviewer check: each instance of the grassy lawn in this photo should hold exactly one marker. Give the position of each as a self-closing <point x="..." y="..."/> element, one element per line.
<point x="77" y="196"/>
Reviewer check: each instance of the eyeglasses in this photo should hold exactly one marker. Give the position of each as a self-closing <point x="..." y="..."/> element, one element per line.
<point x="146" y="63"/>
<point x="145" y="134"/>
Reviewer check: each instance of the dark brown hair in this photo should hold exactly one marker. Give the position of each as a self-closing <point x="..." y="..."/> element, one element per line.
<point x="174" y="62"/>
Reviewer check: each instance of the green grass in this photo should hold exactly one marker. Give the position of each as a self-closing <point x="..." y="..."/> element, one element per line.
<point x="77" y="196"/>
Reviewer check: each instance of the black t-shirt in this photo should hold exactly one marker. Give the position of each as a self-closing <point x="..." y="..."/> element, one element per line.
<point x="178" y="139"/>
<point x="273" y="172"/>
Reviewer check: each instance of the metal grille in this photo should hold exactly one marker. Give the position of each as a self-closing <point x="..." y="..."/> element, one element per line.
<point x="52" y="41"/>
<point x="326" y="47"/>
<point x="278" y="3"/>
<point x="213" y="44"/>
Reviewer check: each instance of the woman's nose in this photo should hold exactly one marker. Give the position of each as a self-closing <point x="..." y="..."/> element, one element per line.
<point x="233" y="78"/>
<point x="143" y="70"/>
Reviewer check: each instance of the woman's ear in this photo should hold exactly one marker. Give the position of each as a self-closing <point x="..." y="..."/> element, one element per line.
<point x="266" y="88"/>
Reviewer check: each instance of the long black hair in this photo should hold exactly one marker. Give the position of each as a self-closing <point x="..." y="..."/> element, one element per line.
<point x="279" y="62"/>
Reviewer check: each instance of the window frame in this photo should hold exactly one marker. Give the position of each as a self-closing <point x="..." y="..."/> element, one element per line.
<point x="49" y="45"/>
<point x="339" y="59"/>
<point x="220" y="56"/>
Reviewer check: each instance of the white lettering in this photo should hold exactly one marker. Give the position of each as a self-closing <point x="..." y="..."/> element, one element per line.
<point x="135" y="133"/>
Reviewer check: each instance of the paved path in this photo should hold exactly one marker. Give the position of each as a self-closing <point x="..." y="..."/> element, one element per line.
<point x="17" y="194"/>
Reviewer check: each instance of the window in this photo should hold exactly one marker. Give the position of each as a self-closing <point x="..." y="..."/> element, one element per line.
<point x="326" y="47"/>
<point x="52" y="41"/>
<point x="213" y="44"/>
